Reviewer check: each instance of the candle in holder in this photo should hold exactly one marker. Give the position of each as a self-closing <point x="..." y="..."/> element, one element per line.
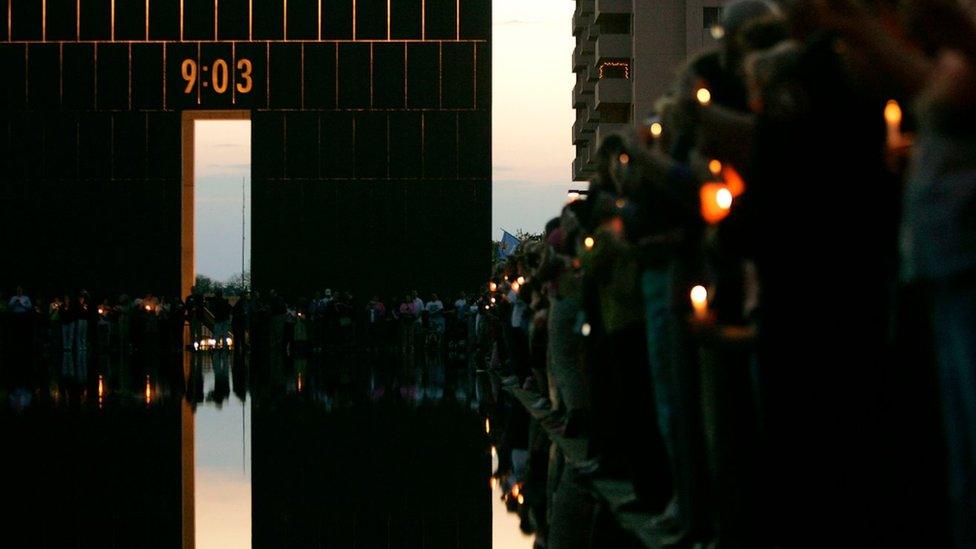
<point x="699" y="301"/>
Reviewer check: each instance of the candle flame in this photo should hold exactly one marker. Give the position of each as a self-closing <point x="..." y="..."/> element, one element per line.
<point x="715" y="167"/>
<point x="586" y="329"/>
<point x="656" y="129"/>
<point x="624" y="158"/>
<point x="492" y="286"/>
<point x="520" y="280"/>
<point x="892" y="113"/>
<point x="704" y="96"/>
<point x="699" y="295"/>
<point x="487" y="426"/>
<point x="724" y="198"/>
<point x="589" y="242"/>
<point x="148" y="390"/>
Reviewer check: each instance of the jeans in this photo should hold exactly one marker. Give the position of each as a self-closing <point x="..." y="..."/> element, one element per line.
<point x="564" y="355"/>
<point x="67" y="336"/>
<point x="81" y="335"/>
<point x="654" y="284"/>
<point x="954" y="314"/>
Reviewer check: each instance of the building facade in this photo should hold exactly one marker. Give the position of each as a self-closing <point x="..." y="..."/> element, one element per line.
<point x="370" y="134"/>
<point x="627" y="53"/>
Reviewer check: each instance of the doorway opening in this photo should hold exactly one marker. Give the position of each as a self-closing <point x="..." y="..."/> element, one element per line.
<point x="216" y="239"/>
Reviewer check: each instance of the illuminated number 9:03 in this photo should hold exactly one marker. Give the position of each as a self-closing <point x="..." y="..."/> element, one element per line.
<point x="219" y="76"/>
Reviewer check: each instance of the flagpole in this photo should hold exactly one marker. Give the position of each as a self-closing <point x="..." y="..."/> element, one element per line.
<point x="243" y="232"/>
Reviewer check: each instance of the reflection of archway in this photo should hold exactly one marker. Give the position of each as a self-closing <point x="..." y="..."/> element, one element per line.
<point x="187" y="460"/>
<point x="187" y="269"/>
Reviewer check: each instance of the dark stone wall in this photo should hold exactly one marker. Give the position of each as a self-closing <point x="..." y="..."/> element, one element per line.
<point x="371" y="140"/>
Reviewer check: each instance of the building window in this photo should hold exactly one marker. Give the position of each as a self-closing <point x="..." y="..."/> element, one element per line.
<point x="711" y="17"/>
<point x="615" y="23"/>
<point x="615" y="68"/>
<point x="615" y="113"/>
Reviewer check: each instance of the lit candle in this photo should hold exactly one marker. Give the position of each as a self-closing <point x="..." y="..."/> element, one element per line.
<point x="487" y="426"/>
<point x="892" y="116"/>
<point x="715" y="167"/>
<point x="521" y="280"/>
<point x="624" y="158"/>
<point x="492" y="286"/>
<point x="516" y="286"/>
<point x="699" y="301"/>
<point x="704" y="96"/>
<point x="723" y="198"/>
<point x="716" y="200"/>
<point x="589" y="242"/>
<point x="656" y="129"/>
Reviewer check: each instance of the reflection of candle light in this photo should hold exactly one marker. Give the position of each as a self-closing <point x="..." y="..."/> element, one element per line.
<point x="704" y="96"/>
<point x="620" y="203"/>
<point x="656" y="129"/>
<point x="101" y="388"/>
<point x="624" y="158"/>
<point x="299" y="384"/>
<point x="516" y="286"/>
<point x="515" y="489"/>
<point x="493" y="482"/>
<point x="585" y="329"/>
<point x="521" y="499"/>
<point x="492" y="300"/>
<point x="487" y="426"/>
<point x="492" y="286"/>
<point x="589" y="242"/>
<point x="699" y="300"/>
<point x="148" y="390"/>
<point x="101" y="311"/>
<point x="520" y="280"/>
<point x="892" y="116"/>
<point x="148" y="308"/>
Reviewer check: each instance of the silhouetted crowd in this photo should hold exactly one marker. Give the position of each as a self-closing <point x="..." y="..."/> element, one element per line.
<point x="762" y="313"/>
<point x="76" y="323"/>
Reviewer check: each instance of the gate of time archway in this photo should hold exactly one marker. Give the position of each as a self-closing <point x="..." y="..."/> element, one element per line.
<point x="370" y="124"/>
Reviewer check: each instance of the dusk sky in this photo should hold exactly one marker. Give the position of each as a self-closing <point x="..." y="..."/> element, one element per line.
<point x="532" y="149"/>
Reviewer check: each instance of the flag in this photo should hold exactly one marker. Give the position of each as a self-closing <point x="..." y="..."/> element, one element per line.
<point x="508" y="244"/>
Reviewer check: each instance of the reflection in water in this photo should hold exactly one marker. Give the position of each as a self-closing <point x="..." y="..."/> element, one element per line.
<point x="168" y="449"/>
<point x="221" y="442"/>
